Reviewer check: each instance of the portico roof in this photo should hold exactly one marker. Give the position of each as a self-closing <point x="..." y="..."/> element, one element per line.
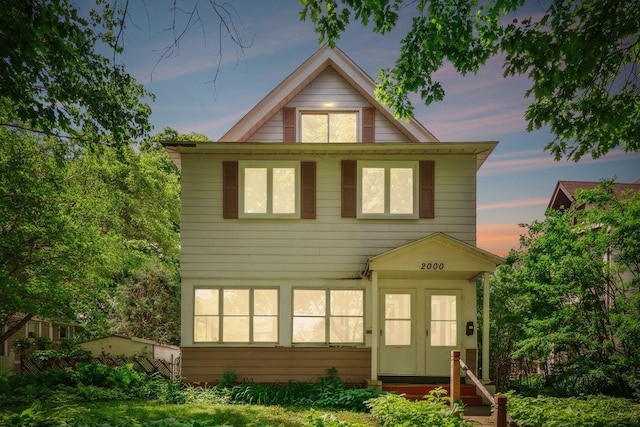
<point x="437" y="256"/>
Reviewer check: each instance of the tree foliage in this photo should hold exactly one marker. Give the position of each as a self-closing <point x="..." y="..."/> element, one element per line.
<point x="569" y="299"/>
<point x="44" y="244"/>
<point x="54" y="80"/>
<point x="89" y="236"/>
<point x="582" y="59"/>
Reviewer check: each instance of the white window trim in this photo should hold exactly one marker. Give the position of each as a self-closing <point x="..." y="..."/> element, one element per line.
<point x="221" y="316"/>
<point x="327" y="318"/>
<point x="269" y="165"/>
<point x="328" y="110"/>
<point x="387" y="166"/>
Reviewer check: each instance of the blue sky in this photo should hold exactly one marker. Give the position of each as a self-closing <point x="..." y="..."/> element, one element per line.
<point x="514" y="185"/>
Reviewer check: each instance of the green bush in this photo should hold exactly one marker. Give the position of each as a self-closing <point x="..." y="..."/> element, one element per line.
<point x="94" y="373"/>
<point x="589" y="411"/>
<point x="392" y="410"/>
<point x="328" y="392"/>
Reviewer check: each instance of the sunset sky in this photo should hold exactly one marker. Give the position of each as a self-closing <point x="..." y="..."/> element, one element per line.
<point x="514" y="185"/>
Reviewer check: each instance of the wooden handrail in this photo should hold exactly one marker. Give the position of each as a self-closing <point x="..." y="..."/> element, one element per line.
<point x="499" y="403"/>
<point x="477" y="382"/>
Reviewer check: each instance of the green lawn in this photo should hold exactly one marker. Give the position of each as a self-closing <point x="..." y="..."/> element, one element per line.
<point x="153" y="413"/>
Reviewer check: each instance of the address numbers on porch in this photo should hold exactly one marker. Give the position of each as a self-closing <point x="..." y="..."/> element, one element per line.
<point x="433" y="266"/>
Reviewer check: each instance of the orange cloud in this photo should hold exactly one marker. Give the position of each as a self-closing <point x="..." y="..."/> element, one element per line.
<point x="499" y="238"/>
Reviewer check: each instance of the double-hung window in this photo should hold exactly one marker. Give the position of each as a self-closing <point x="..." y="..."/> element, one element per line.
<point x="387" y="189"/>
<point x="328" y="316"/>
<point x="269" y="189"/>
<point x="236" y="315"/>
<point x="328" y="126"/>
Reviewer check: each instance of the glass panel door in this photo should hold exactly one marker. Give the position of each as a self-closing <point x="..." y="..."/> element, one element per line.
<point x="443" y="315"/>
<point x="397" y="341"/>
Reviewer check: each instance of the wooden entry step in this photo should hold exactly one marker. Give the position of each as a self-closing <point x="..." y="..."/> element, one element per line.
<point x="468" y="392"/>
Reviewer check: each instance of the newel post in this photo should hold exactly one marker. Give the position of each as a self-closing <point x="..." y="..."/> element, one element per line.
<point x="455" y="376"/>
<point x="501" y="410"/>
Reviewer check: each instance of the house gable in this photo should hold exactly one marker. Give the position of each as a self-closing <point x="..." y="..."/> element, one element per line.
<point x="438" y="256"/>
<point x="564" y="194"/>
<point x="325" y="61"/>
<point x="329" y="91"/>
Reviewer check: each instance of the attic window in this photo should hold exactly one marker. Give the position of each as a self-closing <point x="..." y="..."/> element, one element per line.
<point x="333" y="126"/>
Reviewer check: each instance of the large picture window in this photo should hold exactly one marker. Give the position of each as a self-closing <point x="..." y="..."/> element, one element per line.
<point x="269" y="189"/>
<point x="332" y="126"/>
<point x="323" y="316"/>
<point x="236" y="315"/>
<point x="387" y="189"/>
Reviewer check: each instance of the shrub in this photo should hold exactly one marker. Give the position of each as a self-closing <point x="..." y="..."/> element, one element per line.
<point x="94" y="373"/>
<point x="589" y="411"/>
<point x="327" y="392"/>
<point x="392" y="410"/>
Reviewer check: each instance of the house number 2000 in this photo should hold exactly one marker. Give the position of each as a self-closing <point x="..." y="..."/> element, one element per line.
<point x="432" y="266"/>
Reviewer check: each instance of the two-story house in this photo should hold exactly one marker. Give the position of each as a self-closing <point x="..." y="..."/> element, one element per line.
<point x="319" y="232"/>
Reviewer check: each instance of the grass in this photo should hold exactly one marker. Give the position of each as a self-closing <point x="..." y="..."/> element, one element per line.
<point x="132" y="413"/>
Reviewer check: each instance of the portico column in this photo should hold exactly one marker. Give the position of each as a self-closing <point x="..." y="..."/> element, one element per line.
<point x="375" y="328"/>
<point x="485" y="327"/>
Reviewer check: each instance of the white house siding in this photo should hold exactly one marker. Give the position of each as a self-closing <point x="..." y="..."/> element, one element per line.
<point x="328" y="251"/>
<point x="329" y="86"/>
<point x="328" y="247"/>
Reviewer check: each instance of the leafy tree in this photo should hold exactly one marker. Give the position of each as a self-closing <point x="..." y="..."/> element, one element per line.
<point x="54" y="81"/>
<point x="45" y="247"/>
<point x="570" y="297"/>
<point x="582" y="58"/>
<point x="89" y="235"/>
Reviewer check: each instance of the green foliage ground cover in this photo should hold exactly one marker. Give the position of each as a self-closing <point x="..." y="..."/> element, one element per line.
<point x="588" y="411"/>
<point x="95" y="395"/>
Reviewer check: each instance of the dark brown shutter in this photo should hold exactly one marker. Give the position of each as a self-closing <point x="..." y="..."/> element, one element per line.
<point x="427" y="189"/>
<point x="368" y="124"/>
<point x="308" y="187"/>
<point x="289" y="124"/>
<point x="230" y="189"/>
<point x="349" y="186"/>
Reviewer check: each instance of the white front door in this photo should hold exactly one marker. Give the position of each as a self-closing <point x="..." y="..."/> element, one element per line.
<point x="443" y="330"/>
<point x="398" y="347"/>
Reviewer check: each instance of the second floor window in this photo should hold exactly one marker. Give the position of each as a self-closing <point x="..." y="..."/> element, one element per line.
<point x="387" y="189"/>
<point x="333" y="126"/>
<point x="269" y="189"/>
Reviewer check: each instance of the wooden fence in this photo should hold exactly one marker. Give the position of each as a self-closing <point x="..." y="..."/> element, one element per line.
<point x="168" y="369"/>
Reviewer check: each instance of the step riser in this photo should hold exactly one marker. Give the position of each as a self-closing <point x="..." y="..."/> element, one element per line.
<point x="417" y="392"/>
<point x="407" y="389"/>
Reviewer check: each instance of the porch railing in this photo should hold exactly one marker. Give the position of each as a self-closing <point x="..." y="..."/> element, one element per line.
<point x="499" y="402"/>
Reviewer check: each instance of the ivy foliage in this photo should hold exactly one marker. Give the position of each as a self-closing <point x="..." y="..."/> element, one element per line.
<point x="581" y="57"/>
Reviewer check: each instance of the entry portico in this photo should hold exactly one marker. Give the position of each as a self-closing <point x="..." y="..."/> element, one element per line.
<point x="424" y="305"/>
